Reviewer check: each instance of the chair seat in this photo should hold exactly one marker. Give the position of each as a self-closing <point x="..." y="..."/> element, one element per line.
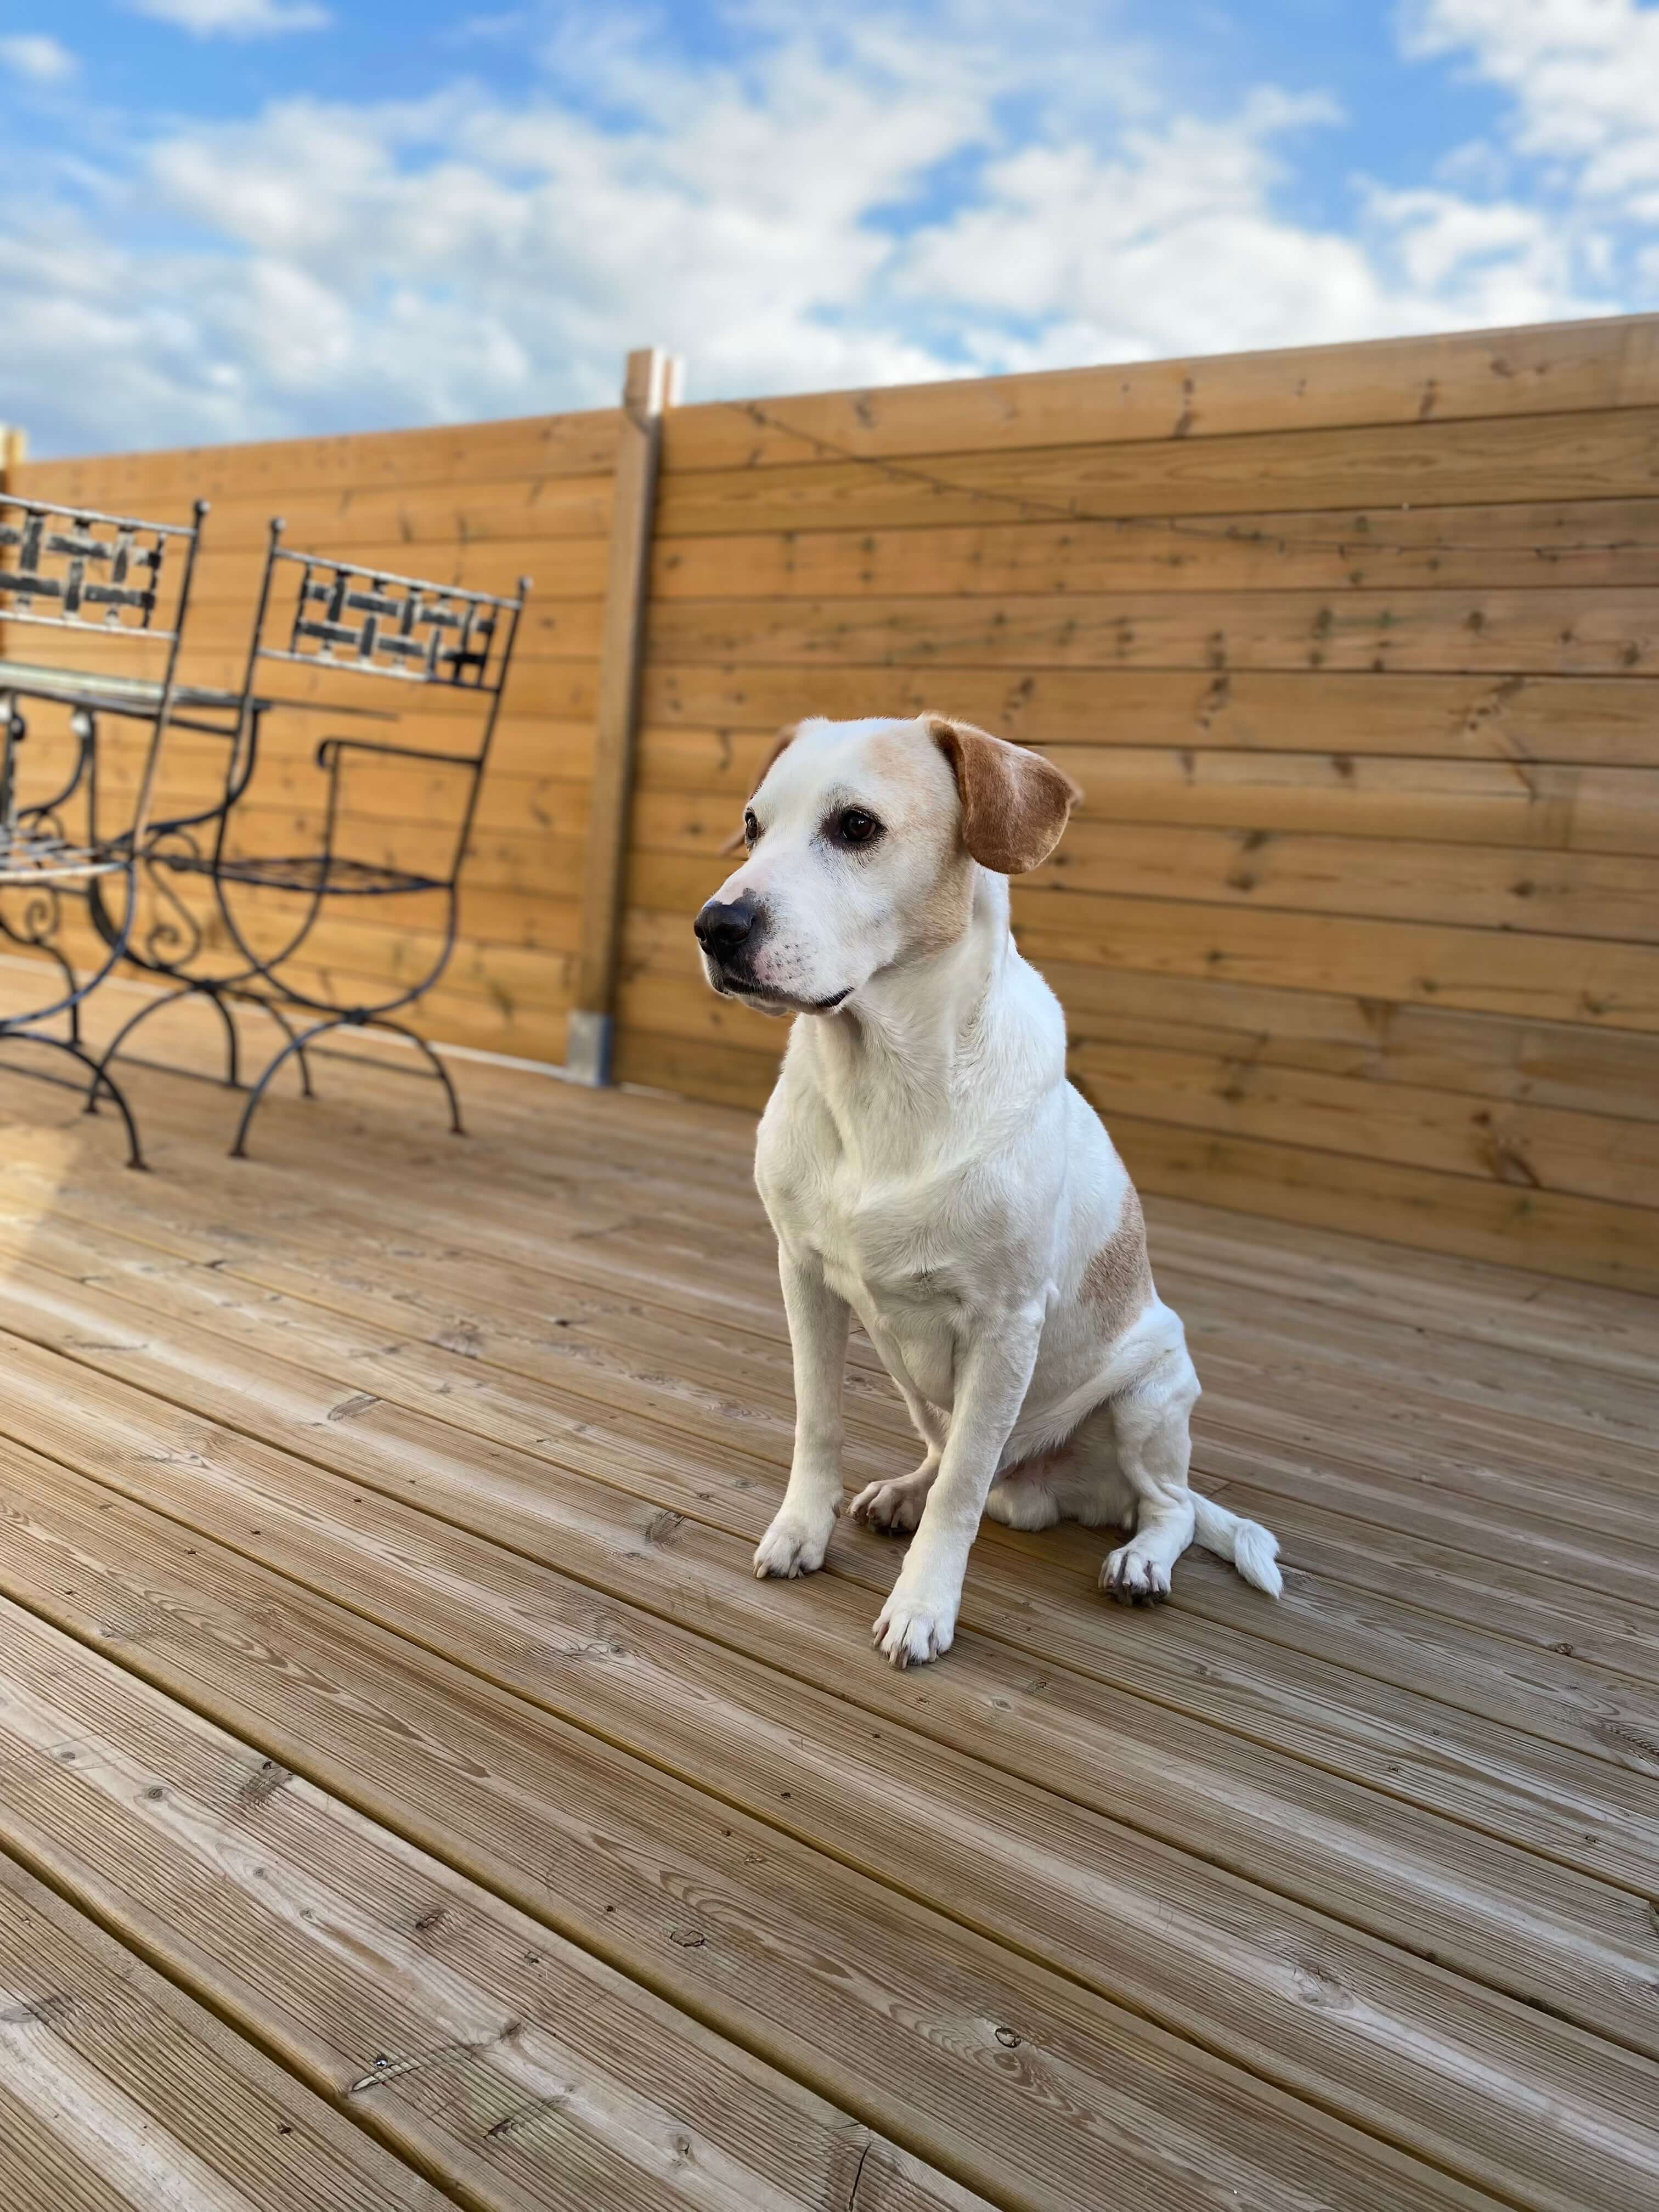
<point x="32" y="858"/>
<point x="330" y="874"/>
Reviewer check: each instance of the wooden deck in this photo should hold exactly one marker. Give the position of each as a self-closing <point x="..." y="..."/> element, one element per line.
<point x="409" y="1798"/>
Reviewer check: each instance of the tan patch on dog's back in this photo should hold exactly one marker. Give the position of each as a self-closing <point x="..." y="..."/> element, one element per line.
<point x="1117" y="1282"/>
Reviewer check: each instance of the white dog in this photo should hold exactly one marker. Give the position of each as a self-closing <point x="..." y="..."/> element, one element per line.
<point x="927" y="1167"/>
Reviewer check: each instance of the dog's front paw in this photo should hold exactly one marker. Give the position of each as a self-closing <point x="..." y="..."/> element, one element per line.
<point x="916" y="1624"/>
<point x="1133" y="1578"/>
<point x="793" y="1545"/>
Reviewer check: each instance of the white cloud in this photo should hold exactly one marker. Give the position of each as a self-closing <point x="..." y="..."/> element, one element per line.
<point x="39" y="58"/>
<point x="772" y="219"/>
<point x="236" y="19"/>
<point x="1584" y="76"/>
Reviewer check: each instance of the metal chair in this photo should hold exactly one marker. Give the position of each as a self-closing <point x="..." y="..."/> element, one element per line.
<point x="106" y="580"/>
<point x="322" y="615"/>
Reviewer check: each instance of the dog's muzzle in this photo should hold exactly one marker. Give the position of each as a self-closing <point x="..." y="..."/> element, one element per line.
<point x="729" y="932"/>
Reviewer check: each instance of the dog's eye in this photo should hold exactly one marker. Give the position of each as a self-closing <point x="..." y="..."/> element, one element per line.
<point x="751" y="827"/>
<point x="854" y="827"/>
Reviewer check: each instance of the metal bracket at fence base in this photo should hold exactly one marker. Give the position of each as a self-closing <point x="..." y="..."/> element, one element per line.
<point x="587" y="1048"/>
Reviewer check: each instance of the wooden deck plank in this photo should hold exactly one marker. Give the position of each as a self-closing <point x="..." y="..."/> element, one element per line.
<point x="117" y="2092"/>
<point x="521" y="2072"/>
<point x="1605" y="1475"/>
<point x="436" y="1364"/>
<point x="490" y="1335"/>
<point x="1544" y="1691"/>
<point x="474" y="1276"/>
<point x="729" y="1918"/>
<point x="1518" y="1647"/>
<point x="700" y="1157"/>
<point x="1202" y="1952"/>
<point x="445" y="1507"/>
<point x="1617" y="1413"/>
<point x="1233" y="1798"/>
<point x="1597" y="1817"/>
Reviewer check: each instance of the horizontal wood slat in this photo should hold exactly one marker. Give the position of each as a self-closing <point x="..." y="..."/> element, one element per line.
<point x="1563" y="980"/>
<point x="1614" y="455"/>
<point x="1547" y="369"/>
<point x="1132" y="839"/>
<point x="1197" y="1081"/>
<point x="1543" y="631"/>
<point x="558" y="568"/>
<point x="694" y="714"/>
<point x="1593" y="542"/>
<point x="533" y="447"/>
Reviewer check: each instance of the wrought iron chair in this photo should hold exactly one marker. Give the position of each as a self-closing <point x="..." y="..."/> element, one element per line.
<point x="322" y="615"/>
<point x="106" y="580"/>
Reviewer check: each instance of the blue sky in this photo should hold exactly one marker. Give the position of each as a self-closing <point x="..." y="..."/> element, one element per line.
<point x="245" y="218"/>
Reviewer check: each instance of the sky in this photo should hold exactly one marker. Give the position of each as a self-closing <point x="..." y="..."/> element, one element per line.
<point x="231" y="219"/>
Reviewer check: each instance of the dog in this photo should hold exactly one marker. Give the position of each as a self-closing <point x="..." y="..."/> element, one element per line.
<point x="928" y="1170"/>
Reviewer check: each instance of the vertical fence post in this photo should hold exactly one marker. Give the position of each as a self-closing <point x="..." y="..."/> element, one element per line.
<point x="650" y="386"/>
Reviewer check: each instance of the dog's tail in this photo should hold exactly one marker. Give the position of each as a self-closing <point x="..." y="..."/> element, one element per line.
<point x="1252" y="1548"/>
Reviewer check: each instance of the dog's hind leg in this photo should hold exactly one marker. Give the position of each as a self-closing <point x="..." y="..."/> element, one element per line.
<point x="896" y="1506"/>
<point x="1076" y="1481"/>
<point x="1023" y="1497"/>
<point x="1152" y="1424"/>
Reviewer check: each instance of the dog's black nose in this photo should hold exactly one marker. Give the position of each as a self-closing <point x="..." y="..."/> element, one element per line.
<point x="722" y="926"/>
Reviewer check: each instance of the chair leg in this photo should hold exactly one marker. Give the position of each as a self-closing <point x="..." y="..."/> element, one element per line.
<point x="297" y="1041"/>
<point x="100" y="1080"/>
<point x="71" y="1001"/>
<point x="288" y="1031"/>
<point x="233" y="1043"/>
<point x="136" y="1021"/>
<point x="457" y="1128"/>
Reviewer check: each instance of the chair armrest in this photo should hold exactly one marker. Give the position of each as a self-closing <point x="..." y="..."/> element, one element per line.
<point x="329" y="751"/>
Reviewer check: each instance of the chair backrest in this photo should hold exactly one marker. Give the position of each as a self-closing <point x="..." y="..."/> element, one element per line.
<point x="318" y="612"/>
<point x="102" y="575"/>
<point x="338" y="615"/>
<point x="106" y="579"/>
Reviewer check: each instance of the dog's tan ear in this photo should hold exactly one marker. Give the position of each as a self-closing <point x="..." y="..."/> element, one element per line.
<point x="1014" y="803"/>
<point x="736" y="842"/>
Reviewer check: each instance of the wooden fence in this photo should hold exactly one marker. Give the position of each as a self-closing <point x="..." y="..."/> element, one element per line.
<point x="1353" y="651"/>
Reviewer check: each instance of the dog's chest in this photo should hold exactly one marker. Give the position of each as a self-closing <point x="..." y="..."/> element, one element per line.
<point x="899" y="1254"/>
<point x="889" y="1242"/>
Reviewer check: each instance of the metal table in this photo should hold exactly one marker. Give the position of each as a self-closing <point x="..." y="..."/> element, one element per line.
<point x="88" y="694"/>
<point x="139" y="697"/>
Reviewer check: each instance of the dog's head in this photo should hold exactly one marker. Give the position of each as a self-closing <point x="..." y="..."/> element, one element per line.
<point x="861" y="845"/>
